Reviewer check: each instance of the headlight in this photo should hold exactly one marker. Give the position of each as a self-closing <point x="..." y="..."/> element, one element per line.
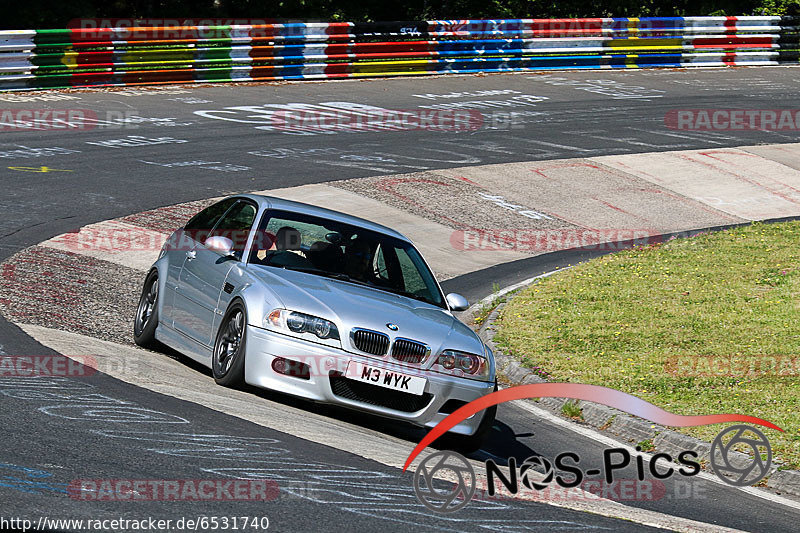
<point x="294" y="322"/>
<point x="463" y="364"/>
<point x="297" y="322"/>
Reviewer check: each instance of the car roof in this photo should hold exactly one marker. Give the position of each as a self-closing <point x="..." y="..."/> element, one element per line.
<point x="272" y="202"/>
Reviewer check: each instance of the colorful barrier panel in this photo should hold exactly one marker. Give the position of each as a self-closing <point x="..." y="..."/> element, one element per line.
<point x="77" y="57"/>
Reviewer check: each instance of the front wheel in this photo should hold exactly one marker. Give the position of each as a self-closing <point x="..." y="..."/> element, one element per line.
<point x="467" y="444"/>
<point x="146" y="320"/>
<point x="227" y="363"/>
<point x="472" y="443"/>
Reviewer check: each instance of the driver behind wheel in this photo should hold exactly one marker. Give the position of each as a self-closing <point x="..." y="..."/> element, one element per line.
<point x="358" y="261"/>
<point x="286" y="250"/>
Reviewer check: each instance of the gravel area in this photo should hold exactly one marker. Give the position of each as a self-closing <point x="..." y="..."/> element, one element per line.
<point x="452" y="202"/>
<point x="63" y="290"/>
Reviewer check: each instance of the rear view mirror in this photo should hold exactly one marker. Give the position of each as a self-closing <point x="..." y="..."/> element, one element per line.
<point x="457" y="302"/>
<point x="333" y="237"/>
<point x="221" y="245"/>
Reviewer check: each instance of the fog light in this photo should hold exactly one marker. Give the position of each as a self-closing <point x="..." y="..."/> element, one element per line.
<point x="291" y="368"/>
<point x="279" y="365"/>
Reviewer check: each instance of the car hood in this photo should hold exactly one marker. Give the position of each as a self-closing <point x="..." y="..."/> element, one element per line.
<point x="350" y="305"/>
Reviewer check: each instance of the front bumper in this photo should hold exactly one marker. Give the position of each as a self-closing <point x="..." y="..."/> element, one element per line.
<point x="325" y="382"/>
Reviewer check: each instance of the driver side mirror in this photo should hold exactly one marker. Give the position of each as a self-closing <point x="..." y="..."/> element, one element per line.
<point x="457" y="302"/>
<point x="221" y="245"/>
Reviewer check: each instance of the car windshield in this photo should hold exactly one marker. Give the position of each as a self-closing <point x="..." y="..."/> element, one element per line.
<point x="344" y="252"/>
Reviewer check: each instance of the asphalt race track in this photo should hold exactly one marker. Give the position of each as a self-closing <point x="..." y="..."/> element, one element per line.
<point x="150" y="148"/>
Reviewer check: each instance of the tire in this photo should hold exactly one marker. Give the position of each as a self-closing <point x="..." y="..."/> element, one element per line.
<point x="472" y="443"/>
<point x="467" y="444"/>
<point x="227" y="361"/>
<point x="146" y="319"/>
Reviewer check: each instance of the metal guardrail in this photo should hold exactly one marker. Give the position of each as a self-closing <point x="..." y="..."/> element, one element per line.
<point x="38" y="59"/>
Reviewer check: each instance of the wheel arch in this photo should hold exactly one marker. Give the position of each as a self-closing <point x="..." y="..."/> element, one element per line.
<point x="160" y="267"/>
<point x="258" y="301"/>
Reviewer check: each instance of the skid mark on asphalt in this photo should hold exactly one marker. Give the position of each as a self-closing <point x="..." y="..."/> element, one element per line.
<point x="733" y="181"/>
<point x="785" y="154"/>
<point x="622" y="165"/>
<point x="589" y="194"/>
<point x="773" y="177"/>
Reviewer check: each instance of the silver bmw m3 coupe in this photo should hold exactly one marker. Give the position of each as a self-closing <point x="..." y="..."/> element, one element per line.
<point x="317" y="304"/>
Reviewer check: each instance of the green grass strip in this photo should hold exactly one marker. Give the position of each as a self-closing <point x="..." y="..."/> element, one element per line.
<point x="666" y="322"/>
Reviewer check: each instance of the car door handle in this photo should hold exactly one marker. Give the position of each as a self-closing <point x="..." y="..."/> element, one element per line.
<point x="191" y="255"/>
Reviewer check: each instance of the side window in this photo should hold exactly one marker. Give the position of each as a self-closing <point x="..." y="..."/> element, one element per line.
<point x="379" y="264"/>
<point x="288" y="242"/>
<point x="236" y="225"/>
<point x="411" y="277"/>
<point x="308" y="233"/>
<point x="200" y="225"/>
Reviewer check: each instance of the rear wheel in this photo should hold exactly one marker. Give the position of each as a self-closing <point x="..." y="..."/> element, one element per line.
<point x="146" y="320"/>
<point x="227" y="363"/>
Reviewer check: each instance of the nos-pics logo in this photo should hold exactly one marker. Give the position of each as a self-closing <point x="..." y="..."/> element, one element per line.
<point x="446" y="481"/>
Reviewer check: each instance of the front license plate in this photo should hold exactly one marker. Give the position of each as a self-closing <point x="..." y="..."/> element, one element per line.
<point x="385" y="378"/>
